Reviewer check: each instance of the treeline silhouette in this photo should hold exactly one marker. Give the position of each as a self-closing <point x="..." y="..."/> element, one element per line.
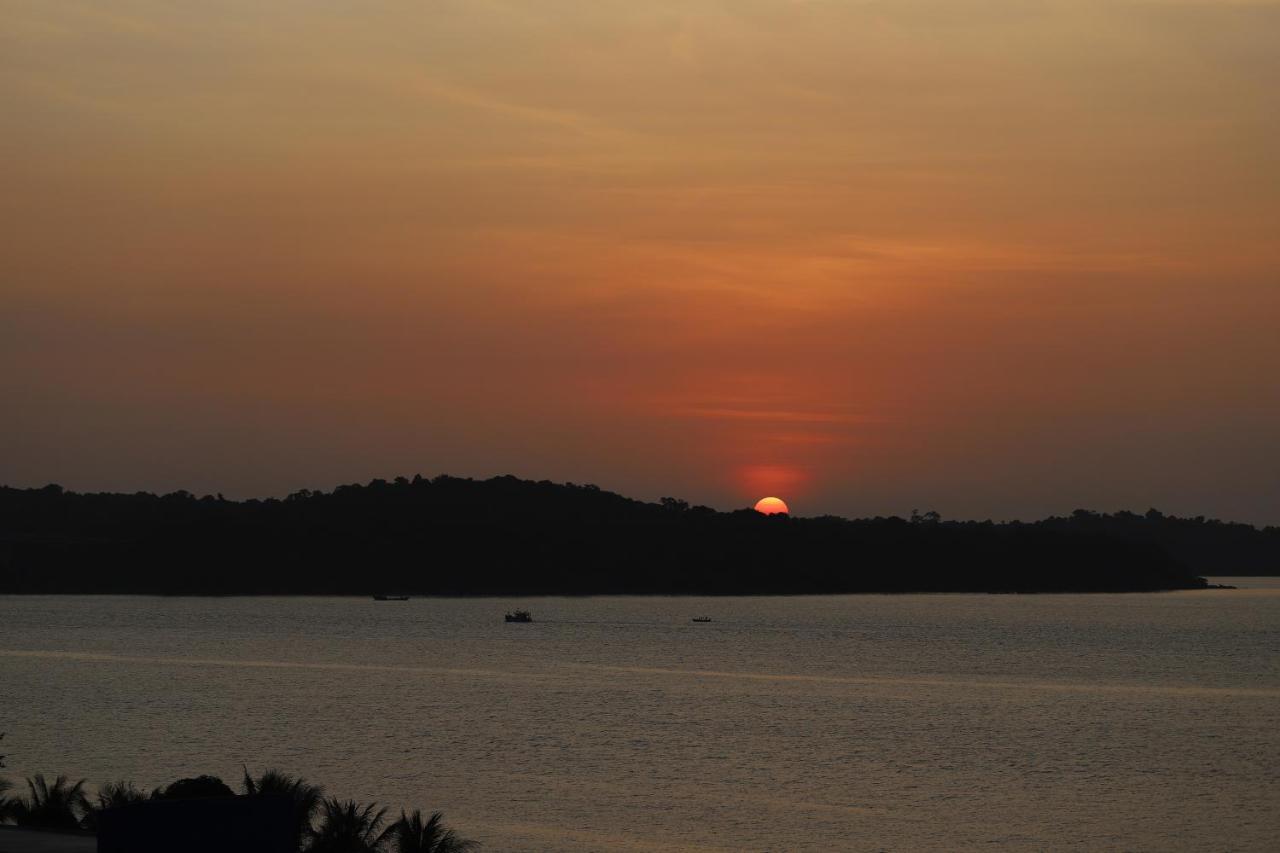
<point x="453" y="536"/>
<point x="320" y="824"/>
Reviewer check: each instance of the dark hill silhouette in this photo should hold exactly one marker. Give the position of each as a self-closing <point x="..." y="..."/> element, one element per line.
<point x="452" y="536"/>
<point x="1208" y="546"/>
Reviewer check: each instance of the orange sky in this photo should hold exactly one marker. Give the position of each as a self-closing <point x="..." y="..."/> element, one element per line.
<point x="996" y="258"/>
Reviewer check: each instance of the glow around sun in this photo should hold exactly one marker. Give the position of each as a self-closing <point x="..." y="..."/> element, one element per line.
<point x="772" y="506"/>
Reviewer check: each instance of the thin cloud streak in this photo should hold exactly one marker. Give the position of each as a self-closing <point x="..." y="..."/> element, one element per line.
<point x="777" y="416"/>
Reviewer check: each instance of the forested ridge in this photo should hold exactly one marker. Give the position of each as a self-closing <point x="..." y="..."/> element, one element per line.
<point x="454" y="536"/>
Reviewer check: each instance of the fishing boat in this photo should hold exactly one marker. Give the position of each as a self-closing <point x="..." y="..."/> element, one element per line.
<point x="519" y="616"/>
<point x="391" y="598"/>
<point x="702" y="619"/>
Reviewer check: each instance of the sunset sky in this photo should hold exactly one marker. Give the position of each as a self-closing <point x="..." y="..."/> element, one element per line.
<point x="997" y="258"/>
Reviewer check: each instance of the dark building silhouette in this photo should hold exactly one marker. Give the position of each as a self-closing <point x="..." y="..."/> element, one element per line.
<point x="261" y="824"/>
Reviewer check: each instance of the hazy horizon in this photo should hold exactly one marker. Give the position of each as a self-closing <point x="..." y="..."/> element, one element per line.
<point x="362" y="483"/>
<point x="994" y="259"/>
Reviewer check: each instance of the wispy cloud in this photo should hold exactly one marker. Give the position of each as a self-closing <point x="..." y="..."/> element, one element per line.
<point x="531" y="113"/>
<point x="785" y="416"/>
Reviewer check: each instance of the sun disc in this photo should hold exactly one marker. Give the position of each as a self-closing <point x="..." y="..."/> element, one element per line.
<point x="772" y="506"/>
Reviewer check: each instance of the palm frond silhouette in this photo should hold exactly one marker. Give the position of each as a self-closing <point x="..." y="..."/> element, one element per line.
<point x="110" y="796"/>
<point x="411" y="834"/>
<point x="59" y="805"/>
<point x="349" y="827"/>
<point x="306" y="797"/>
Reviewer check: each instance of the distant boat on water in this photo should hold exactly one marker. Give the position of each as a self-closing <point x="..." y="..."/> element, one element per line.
<point x="702" y="619"/>
<point x="519" y="616"/>
<point x="391" y="598"/>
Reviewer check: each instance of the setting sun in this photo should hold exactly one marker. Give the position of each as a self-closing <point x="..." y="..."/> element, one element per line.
<point x="772" y="506"/>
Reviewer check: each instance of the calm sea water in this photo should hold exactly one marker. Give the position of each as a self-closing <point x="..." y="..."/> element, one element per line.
<point x="933" y="722"/>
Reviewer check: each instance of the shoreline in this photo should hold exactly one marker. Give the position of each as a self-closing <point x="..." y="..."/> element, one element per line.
<point x="584" y="595"/>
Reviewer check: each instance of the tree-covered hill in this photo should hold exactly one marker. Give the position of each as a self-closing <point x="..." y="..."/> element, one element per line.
<point x="452" y="536"/>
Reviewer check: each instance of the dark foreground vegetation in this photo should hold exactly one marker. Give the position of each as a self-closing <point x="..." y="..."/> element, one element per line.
<point x="451" y="536"/>
<point x="320" y="824"/>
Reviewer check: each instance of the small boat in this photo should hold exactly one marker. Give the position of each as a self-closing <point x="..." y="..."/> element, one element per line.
<point x="519" y="616"/>
<point x="702" y="619"/>
<point x="391" y="598"/>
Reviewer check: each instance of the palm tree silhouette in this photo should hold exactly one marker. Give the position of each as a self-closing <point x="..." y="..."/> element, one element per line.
<point x="410" y="835"/>
<point x="306" y="797"/>
<point x="110" y="796"/>
<point x="6" y="804"/>
<point x="344" y="826"/>
<point x="349" y="828"/>
<point x="57" y="806"/>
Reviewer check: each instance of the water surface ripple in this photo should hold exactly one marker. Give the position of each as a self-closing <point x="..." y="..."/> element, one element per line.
<point x="935" y="722"/>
